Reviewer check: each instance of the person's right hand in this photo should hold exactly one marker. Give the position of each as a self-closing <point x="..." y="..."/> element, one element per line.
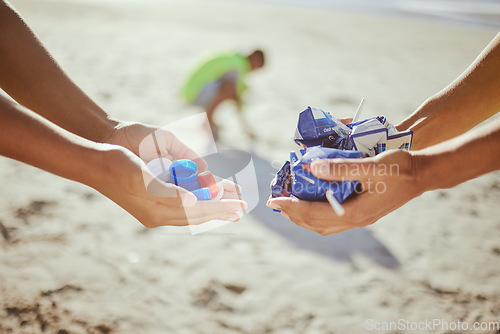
<point x="127" y="181"/>
<point x="389" y="180"/>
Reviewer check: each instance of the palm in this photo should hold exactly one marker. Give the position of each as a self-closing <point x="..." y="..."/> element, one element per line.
<point x="385" y="190"/>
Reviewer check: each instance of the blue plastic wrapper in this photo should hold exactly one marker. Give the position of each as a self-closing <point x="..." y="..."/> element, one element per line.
<point x="316" y="127"/>
<point x="307" y="187"/>
<point x="322" y="136"/>
<point x="281" y="185"/>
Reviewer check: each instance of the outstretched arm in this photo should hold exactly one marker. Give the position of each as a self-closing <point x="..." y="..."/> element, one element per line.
<point x="30" y="75"/>
<point x="467" y="101"/>
<point x="64" y="137"/>
<point x="395" y="177"/>
<point x="112" y="170"/>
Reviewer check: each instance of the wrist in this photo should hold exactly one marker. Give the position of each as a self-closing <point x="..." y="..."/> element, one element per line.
<point x="102" y="165"/>
<point x="107" y="126"/>
<point x="423" y="169"/>
<point x="120" y="135"/>
<point x="433" y="169"/>
<point x="427" y="124"/>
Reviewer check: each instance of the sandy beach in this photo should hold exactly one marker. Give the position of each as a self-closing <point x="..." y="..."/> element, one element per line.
<point x="72" y="261"/>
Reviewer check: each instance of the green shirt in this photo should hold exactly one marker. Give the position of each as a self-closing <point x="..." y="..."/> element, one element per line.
<point x="212" y="70"/>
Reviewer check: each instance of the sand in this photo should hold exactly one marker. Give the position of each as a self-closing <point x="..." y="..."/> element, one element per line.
<point x="71" y="261"/>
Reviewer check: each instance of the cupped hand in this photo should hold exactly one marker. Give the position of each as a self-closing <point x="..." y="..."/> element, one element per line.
<point x="388" y="180"/>
<point x="125" y="179"/>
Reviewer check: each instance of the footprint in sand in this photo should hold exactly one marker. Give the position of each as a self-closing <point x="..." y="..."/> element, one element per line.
<point x="5" y="232"/>
<point x="45" y="314"/>
<point x="35" y="208"/>
<point x="216" y="295"/>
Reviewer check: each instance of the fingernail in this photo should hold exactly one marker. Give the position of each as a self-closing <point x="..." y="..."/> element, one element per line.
<point x="285" y="215"/>
<point x="273" y="205"/>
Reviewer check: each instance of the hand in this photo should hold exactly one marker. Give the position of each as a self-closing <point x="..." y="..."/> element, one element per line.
<point x="138" y="138"/>
<point x="388" y="180"/>
<point x="127" y="181"/>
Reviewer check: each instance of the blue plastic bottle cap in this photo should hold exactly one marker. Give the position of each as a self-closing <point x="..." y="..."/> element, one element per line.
<point x="202" y="194"/>
<point x="183" y="171"/>
<point x="190" y="185"/>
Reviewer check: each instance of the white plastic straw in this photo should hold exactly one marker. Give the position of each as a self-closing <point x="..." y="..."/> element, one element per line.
<point x="308" y="179"/>
<point x="295" y="149"/>
<point x="339" y="210"/>
<point x="358" y="112"/>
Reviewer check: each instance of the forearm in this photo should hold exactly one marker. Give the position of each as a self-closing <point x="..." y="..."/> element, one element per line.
<point x="27" y="137"/>
<point x="33" y="78"/>
<point x="470" y="99"/>
<point x="452" y="162"/>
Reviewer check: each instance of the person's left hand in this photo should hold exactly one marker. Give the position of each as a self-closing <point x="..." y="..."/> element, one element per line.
<point x="149" y="142"/>
<point x="389" y="180"/>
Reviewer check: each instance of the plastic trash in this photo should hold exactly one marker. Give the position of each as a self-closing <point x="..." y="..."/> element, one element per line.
<point x="322" y="136"/>
<point x="184" y="173"/>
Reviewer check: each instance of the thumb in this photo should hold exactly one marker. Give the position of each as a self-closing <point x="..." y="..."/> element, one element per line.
<point x="179" y="150"/>
<point x="344" y="169"/>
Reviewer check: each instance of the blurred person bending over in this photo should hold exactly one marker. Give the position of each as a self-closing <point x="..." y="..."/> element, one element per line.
<point x="221" y="78"/>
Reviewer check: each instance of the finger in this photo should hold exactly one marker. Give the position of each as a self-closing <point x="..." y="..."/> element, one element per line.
<point x="230" y="195"/>
<point x="292" y="207"/>
<point x="278" y="202"/>
<point x="345" y="169"/>
<point x="230" y="217"/>
<point x="205" y="209"/>
<point x="176" y="149"/>
<point x="230" y="186"/>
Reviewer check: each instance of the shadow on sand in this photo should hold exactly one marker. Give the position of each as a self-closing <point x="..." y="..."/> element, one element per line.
<point x="339" y="247"/>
